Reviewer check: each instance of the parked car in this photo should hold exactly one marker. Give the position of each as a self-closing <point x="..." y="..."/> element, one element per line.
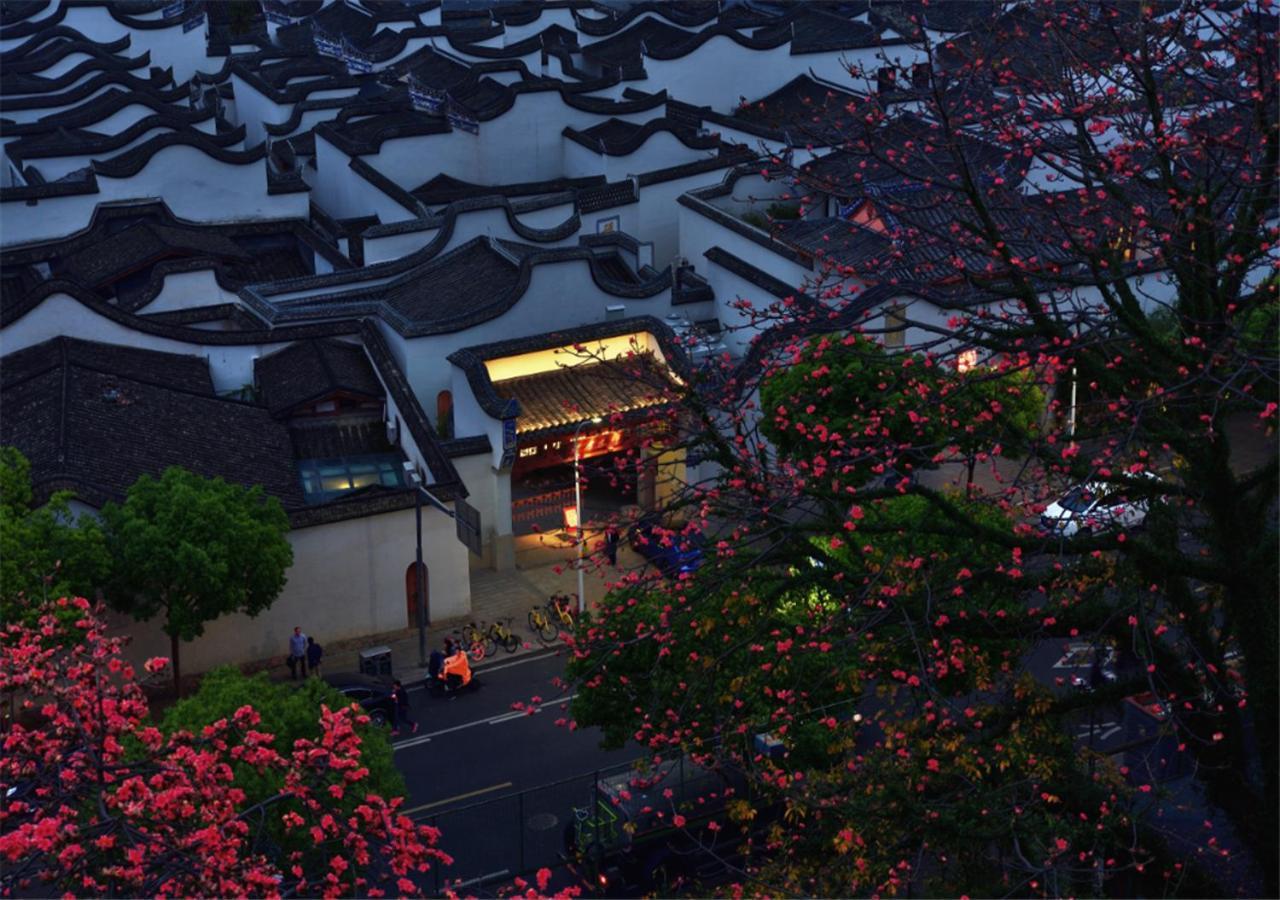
<point x="672" y="549"/>
<point x="1093" y="507"/>
<point x="373" y="695"/>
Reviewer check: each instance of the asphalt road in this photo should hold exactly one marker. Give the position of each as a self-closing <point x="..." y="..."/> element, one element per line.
<point x="501" y="783"/>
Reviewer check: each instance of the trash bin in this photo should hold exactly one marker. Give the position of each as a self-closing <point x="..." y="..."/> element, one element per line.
<point x="376" y="661"/>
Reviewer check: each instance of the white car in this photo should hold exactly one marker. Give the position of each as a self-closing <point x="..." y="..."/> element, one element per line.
<point x="1094" y="507"/>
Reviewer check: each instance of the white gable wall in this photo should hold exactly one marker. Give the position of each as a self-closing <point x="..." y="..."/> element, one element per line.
<point x="742" y="72"/>
<point x="253" y="108"/>
<point x="230" y="366"/>
<point x="195" y="186"/>
<point x="184" y="51"/>
<point x="184" y="290"/>
<point x="661" y="151"/>
<point x="54" y="167"/>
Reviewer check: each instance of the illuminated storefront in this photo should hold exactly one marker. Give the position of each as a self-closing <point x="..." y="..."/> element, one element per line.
<point x="608" y="386"/>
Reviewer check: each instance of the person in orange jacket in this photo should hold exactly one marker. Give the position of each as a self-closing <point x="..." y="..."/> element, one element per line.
<point x="457" y="670"/>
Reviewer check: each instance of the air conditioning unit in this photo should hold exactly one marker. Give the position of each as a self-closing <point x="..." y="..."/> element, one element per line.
<point x="393" y="432"/>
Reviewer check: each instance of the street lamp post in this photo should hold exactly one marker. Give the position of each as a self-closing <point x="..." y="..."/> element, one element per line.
<point x="470" y="524"/>
<point x="419" y="581"/>
<point x="577" y="502"/>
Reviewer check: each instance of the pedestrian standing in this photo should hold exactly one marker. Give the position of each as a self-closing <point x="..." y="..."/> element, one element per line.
<point x="314" y="652"/>
<point x="297" y="653"/>
<point x="611" y="538"/>
<point x="400" y="702"/>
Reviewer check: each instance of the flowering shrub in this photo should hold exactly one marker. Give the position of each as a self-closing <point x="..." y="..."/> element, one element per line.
<point x="98" y="802"/>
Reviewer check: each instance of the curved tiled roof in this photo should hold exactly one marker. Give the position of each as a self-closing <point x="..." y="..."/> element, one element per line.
<point x="103" y="107"/>
<point x="16" y="11"/>
<point x="790" y="110"/>
<point x="93" y="417"/>
<point x="607" y="196"/>
<point x="133" y="239"/>
<point x="290" y="125"/>
<point x="131" y="162"/>
<point x="361" y="128"/>
<point x="687" y="13"/>
<point x="473" y="283"/>
<point x="116" y="10"/>
<point x="617" y="137"/>
<point x="158" y="85"/>
<point x="446" y="220"/>
<point x="105" y="55"/>
<point x="471" y="360"/>
<point x="126" y="412"/>
<point x="269" y="77"/>
<point x="311" y="370"/>
<point x="80" y="142"/>
<point x="11" y="312"/>
<point x="27" y="25"/>
<point x="61" y="34"/>
<point x="806" y="27"/>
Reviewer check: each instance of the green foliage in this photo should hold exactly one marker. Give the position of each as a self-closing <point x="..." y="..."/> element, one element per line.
<point x="44" y="552"/>
<point x="843" y="390"/>
<point x="848" y="389"/>
<point x="774" y="212"/>
<point x="289" y="712"/>
<point x="193" y="549"/>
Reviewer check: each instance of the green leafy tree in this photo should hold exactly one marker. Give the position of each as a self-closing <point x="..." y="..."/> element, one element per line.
<point x="836" y="388"/>
<point x="193" y="549"/>
<point x="44" y="552"/>
<point x="290" y="712"/>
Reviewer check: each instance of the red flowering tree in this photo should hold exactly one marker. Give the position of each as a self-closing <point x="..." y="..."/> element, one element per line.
<point x="1079" y="198"/>
<point x="98" y="802"/>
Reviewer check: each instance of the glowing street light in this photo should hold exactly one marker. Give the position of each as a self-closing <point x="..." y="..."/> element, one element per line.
<point x="577" y="503"/>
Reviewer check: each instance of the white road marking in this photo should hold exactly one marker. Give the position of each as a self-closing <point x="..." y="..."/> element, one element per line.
<point x="467" y="796"/>
<point x="1110" y="729"/>
<point x="492" y="720"/>
<point x="481" y="880"/>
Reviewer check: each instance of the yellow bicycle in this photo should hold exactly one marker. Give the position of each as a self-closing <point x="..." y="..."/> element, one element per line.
<point x="560" y="606"/>
<point x="476" y="643"/>
<point x="501" y="635"/>
<point x="560" y="611"/>
<point x="540" y="624"/>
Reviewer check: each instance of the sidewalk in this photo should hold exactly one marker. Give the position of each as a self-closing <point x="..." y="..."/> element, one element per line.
<point x="495" y="596"/>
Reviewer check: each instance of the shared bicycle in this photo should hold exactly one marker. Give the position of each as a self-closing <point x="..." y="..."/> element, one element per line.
<point x="500" y="633"/>
<point x="551" y="618"/>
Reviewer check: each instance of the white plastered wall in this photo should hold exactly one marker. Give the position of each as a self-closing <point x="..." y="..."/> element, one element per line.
<point x="347" y="580"/>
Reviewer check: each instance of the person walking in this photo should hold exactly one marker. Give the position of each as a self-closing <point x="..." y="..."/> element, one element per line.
<point x="297" y="653"/>
<point x="314" y="653"/>
<point x="401" y="705"/>
<point x="611" y="538"/>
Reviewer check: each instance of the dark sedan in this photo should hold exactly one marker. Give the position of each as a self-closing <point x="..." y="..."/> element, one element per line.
<point x="672" y="550"/>
<point x="371" y="693"/>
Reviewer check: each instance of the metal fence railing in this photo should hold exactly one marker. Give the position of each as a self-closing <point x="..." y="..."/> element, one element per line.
<point x="496" y="840"/>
